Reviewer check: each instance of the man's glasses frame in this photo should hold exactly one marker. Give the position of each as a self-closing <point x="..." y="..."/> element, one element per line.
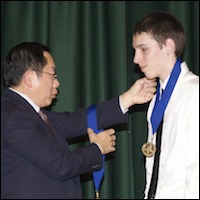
<point x="55" y="76"/>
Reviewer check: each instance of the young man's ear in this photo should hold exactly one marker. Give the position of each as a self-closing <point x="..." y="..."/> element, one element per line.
<point x="170" y="45"/>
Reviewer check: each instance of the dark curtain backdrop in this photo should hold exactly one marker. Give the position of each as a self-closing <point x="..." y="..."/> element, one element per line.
<point x="91" y="44"/>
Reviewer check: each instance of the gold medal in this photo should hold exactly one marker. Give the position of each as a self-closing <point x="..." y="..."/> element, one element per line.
<point x="148" y="149"/>
<point x="97" y="195"/>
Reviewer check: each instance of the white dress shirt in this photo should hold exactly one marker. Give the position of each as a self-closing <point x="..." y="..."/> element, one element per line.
<point x="178" y="176"/>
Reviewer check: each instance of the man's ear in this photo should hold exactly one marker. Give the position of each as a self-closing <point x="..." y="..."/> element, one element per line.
<point x="28" y="78"/>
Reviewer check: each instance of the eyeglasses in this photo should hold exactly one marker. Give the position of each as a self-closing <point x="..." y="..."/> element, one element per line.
<point x="53" y="75"/>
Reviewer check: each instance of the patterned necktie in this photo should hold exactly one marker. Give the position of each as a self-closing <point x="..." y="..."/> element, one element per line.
<point x="45" y="119"/>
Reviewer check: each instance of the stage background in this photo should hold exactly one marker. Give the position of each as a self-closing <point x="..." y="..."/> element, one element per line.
<point x="91" y="44"/>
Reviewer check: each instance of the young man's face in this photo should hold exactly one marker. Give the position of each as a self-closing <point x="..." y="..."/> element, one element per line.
<point x="150" y="56"/>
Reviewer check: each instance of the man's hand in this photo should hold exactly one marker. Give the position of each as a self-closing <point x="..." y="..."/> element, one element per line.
<point x="140" y="92"/>
<point x="105" y="140"/>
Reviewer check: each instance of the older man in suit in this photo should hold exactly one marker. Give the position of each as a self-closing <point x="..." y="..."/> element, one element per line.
<point x="36" y="161"/>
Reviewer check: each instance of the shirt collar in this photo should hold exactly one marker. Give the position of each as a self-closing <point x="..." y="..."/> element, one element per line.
<point x="36" y="108"/>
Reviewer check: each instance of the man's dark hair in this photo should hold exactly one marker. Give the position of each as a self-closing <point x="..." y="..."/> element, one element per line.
<point x="24" y="56"/>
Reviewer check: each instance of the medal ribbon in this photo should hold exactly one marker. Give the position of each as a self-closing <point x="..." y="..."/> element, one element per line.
<point x="92" y="123"/>
<point x="160" y="105"/>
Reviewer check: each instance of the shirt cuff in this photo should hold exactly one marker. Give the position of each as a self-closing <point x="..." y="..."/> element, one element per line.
<point x="124" y="110"/>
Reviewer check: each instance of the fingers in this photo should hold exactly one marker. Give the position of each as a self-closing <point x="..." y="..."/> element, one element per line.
<point x="111" y="141"/>
<point x="105" y="140"/>
<point x="148" y="90"/>
<point x="150" y="87"/>
<point x="112" y="138"/>
<point x="150" y="82"/>
<point x="90" y="131"/>
<point x="91" y="134"/>
<point x="111" y="132"/>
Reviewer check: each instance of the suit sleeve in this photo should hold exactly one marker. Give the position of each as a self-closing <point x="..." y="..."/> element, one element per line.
<point x="109" y="113"/>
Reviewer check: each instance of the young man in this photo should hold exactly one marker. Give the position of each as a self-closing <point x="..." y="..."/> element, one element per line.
<point x="36" y="161"/>
<point x="159" y="42"/>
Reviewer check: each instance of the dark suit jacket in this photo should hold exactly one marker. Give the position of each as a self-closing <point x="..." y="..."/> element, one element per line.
<point x="36" y="162"/>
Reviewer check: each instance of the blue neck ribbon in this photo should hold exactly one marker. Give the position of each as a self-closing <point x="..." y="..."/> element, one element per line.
<point x="92" y="123"/>
<point x="160" y="105"/>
